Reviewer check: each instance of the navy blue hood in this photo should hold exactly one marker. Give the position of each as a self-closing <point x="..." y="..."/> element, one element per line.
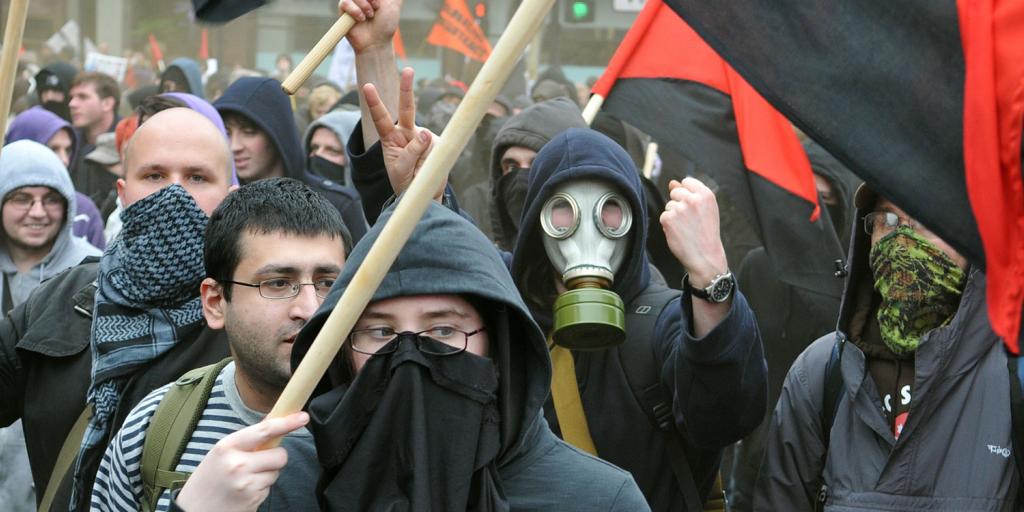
<point x="190" y="70"/>
<point x="262" y="101"/>
<point x="577" y="154"/>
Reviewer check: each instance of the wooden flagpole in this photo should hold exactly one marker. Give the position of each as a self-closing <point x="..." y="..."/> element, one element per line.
<point x="16" y="15"/>
<point x="320" y="51"/>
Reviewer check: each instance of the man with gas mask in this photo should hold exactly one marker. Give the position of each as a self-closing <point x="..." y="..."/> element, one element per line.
<point x="871" y="415"/>
<point x="650" y="380"/>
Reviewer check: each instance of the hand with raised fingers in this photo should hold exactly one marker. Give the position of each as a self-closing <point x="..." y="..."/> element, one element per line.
<point x="405" y="145"/>
<point x="691" y="226"/>
<point x="237" y="473"/>
<point x="376" y="22"/>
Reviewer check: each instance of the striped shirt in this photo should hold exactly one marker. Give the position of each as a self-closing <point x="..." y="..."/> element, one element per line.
<point x="118" y="484"/>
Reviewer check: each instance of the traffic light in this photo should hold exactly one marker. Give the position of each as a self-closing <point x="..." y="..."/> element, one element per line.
<point x="579" y="11"/>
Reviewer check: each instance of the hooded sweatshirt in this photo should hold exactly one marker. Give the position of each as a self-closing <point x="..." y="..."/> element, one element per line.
<point x="900" y="421"/>
<point x="341" y="123"/>
<point x="262" y="101"/>
<point x="187" y="69"/>
<point x="532" y="128"/>
<point x="532" y="470"/>
<point x="716" y="383"/>
<point x="40" y="125"/>
<point x="25" y="164"/>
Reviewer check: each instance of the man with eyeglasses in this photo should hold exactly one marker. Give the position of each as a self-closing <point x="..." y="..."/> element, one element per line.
<point x="872" y="416"/>
<point x="436" y="400"/>
<point x="36" y="244"/>
<point x="273" y="250"/>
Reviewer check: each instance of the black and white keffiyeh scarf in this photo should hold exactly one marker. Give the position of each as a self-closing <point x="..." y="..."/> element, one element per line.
<point x="147" y="300"/>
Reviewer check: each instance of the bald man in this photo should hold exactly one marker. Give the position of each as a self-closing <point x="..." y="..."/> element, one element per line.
<point x="90" y="343"/>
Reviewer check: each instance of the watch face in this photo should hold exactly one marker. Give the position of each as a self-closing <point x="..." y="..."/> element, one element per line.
<point x="721" y="289"/>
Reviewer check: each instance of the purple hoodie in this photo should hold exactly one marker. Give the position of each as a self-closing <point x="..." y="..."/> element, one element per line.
<point x="40" y="125"/>
<point x="206" y="109"/>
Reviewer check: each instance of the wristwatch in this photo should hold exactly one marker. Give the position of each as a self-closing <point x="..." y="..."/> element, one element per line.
<point x="718" y="291"/>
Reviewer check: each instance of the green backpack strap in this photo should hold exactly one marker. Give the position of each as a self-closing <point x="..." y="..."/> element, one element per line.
<point x="170" y="430"/>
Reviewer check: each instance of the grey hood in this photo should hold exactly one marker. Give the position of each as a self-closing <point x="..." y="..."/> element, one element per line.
<point x="26" y="163"/>
<point x="342" y="123"/>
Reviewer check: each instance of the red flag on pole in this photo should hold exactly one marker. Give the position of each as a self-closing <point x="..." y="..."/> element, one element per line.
<point x="769" y="144"/>
<point x="665" y="80"/>
<point x="456" y="30"/>
<point x="204" y="45"/>
<point x="993" y="116"/>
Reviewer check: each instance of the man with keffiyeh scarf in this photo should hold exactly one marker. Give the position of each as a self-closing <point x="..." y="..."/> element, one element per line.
<point x="103" y="335"/>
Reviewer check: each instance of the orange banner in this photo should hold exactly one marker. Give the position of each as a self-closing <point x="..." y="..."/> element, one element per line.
<point x="455" y="29"/>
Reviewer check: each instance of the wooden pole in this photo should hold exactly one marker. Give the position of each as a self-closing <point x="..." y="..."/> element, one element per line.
<point x="593" y="106"/>
<point x="16" y="15"/>
<point x="649" y="157"/>
<point x="323" y="48"/>
<point x="412" y="205"/>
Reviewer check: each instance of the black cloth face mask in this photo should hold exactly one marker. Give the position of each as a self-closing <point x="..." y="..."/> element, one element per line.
<point x="408" y="433"/>
<point x="512" y="197"/>
<point x="327" y="169"/>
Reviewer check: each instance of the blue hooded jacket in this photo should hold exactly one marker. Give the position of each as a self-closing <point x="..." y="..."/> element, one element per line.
<point x="717" y="384"/>
<point x="190" y="70"/>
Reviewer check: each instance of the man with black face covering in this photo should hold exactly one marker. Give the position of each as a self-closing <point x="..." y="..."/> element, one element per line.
<point x="921" y="414"/>
<point x="579" y="263"/>
<point x="53" y="86"/>
<point x="435" y="402"/>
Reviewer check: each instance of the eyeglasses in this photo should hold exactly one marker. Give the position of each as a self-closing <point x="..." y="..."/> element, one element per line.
<point x="375" y="341"/>
<point x="885" y="222"/>
<point x="50" y="202"/>
<point x="279" y="288"/>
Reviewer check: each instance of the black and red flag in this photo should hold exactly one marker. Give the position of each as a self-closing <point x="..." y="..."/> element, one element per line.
<point x="881" y="85"/>
<point x="669" y="83"/>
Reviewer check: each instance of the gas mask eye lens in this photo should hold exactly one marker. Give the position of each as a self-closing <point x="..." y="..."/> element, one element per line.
<point x="612" y="217"/>
<point x="560" y="216"/>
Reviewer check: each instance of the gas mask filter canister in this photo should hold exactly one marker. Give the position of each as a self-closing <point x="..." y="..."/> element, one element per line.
<point x="585" y="224"/>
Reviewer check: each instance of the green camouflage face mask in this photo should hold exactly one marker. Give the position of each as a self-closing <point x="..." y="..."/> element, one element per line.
<point x="920" y="287"/>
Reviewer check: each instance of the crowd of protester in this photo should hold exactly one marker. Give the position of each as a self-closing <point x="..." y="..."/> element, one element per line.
<point x="562" y="331"/>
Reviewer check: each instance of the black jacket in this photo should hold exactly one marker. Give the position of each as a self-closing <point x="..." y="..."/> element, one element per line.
<point x="717" y="383"/>
<point x="45" y="363"/>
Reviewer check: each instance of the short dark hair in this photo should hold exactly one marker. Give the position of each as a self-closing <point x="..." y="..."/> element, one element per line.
<point x="150" y="105"/>
<point x="267" y="206"/>
<point x="105" y="86"/>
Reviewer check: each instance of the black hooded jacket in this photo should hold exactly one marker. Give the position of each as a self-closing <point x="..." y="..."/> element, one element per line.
<point x="534" y="470"/>
<point x="717" y="383"/>
<point x="262" y="101"/>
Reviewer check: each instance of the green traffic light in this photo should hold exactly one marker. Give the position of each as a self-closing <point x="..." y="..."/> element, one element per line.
<point x="580" y="10"/>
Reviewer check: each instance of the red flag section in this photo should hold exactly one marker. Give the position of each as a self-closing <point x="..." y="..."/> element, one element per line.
<point x="992" y="32"/>
<point x="204" y="46"/>
<point x="400" y="46"/>
<point x="661" y="45"/>
<point x="456" y="30"/>
<point x="154" y="49"/>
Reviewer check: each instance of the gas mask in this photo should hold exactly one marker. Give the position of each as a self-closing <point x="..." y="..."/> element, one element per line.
<point x="585" y="224"/>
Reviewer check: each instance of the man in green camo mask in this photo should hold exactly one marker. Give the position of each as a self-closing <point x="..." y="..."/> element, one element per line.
<point x="919" y="276"/>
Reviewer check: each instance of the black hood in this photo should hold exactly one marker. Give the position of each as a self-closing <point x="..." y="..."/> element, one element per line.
<point x="448" y="255"/>
<point x="262" y="101"/>
<point x="577" y="154"/>
<point x="532" y="128"/>
<point x="844" y="184"/>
